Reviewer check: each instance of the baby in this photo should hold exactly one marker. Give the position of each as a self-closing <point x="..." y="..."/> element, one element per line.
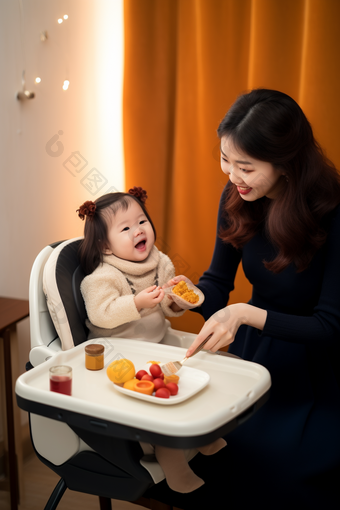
<point x="123" y="293"/>
<point x="125" y="271"/>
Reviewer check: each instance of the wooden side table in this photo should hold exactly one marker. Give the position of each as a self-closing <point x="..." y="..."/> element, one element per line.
<point x="11" y="312"/>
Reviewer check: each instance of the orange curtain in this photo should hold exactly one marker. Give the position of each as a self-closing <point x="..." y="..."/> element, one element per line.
<point x="186" y="61"/>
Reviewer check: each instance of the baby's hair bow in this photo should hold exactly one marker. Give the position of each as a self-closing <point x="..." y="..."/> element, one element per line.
<point x="87" y="209"/>
<point x="139" y="193"/>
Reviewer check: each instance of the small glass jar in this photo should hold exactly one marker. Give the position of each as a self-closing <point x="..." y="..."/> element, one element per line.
<point x="94" y="356"/>
<point x="61" y="379"/>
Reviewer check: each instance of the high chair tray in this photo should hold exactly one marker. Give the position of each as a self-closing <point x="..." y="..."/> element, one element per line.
<point x="236" y="389"/>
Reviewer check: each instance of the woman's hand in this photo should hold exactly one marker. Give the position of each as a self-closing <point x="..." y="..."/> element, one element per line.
<point x="176" y="280"/>
<point x="149" y="297"/>
<point x="174" y="306"/>
<point x="224" y="325"/>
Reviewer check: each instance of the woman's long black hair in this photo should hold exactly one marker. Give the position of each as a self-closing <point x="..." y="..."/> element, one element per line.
<point x="270" y="126"/>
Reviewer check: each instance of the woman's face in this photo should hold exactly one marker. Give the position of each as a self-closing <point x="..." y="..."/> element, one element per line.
<point x="253" y="178"/>
<point x="130" y="234"/>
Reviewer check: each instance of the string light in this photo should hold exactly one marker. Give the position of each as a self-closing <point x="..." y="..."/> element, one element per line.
<point x="60" y="20"/>
<point x="24" y="94"/>
<point x="66" y="82"/>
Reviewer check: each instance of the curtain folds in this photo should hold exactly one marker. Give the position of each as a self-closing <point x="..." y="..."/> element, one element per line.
<point x="186" y="61"/>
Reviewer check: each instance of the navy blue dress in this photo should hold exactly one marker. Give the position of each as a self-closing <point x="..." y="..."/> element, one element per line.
<point x="288" y="453"/>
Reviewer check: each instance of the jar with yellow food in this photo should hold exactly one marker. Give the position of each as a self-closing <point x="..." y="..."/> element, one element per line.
<point x="94" y="357"/>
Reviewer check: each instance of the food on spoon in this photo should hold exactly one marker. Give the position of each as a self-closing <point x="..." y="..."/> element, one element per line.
<point x="171" y="378"/>
<point x="120" y="371"/>
<point x="182" y="290"/>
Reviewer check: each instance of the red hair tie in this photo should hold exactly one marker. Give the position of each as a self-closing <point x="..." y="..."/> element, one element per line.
<point x="139" y="193"/>
<point x="87" y="209"/>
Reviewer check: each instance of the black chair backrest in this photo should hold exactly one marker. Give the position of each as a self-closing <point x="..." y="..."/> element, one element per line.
<point x="77" y="278"/>
<point x="69" y="276"/>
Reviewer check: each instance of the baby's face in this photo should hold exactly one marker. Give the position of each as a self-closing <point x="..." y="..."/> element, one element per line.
<point x="130" y="234"/>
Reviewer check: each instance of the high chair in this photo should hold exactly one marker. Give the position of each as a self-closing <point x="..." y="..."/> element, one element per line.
<point x="91" y="451"/>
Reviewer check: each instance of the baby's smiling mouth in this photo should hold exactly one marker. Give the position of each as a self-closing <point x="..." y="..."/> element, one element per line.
<point x="141" y="245"/>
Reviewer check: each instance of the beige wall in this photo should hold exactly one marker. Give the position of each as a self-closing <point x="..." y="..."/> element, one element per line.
<point x="39" y="195"/>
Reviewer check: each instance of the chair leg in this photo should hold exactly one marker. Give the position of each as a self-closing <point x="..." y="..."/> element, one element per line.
<point x="56" y="495"/>
<point x="145" y="502"/>
<point x="105" y="503"/>
<point x="152" y="504"/>
<point x="157" y="505"/>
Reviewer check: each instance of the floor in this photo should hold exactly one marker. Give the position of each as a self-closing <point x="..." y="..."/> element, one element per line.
<point x="39" y="481"/>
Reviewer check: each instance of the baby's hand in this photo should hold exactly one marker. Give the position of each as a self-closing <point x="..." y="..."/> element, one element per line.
<point x="149" y="297"/>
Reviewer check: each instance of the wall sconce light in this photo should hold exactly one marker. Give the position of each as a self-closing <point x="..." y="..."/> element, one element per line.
<point x="24" y="94"/>
<point x="43" y="36"/>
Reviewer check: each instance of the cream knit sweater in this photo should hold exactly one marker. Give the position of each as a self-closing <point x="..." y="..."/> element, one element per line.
<point x="109" y="297"/>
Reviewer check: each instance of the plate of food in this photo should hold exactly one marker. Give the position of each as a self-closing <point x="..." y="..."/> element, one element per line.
<point x="152" y="386"/>
<point x="186" y="295"/>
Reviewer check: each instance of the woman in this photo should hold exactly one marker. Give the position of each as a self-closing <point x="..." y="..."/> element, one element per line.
<point x="280" y="215"/>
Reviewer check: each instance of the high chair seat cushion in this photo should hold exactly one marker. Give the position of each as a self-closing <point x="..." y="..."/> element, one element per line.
<point x="58" y="280"/>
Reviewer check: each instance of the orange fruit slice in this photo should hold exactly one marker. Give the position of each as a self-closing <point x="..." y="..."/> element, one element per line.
<point x="130" y="385"/>
<point x="146" y="387"/>
<point x="120" y="371"/>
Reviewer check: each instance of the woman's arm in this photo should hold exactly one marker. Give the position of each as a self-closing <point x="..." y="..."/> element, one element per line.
<point x="322" y="326"/>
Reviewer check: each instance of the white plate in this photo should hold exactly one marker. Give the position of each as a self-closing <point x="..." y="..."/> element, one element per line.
<point x="191" y="381"/>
